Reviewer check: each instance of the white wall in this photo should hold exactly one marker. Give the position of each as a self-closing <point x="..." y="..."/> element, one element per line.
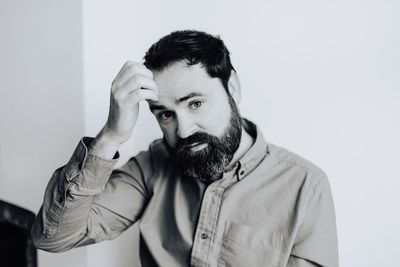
<point x="320" y="77"/>
<point x="41" y="107"/>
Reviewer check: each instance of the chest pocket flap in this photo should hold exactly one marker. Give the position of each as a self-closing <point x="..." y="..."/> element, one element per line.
<point x="250" y="246"/>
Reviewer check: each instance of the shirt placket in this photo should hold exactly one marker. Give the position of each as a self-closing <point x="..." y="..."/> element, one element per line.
<point x="204" y="236"/>
<point x="206" y="227"/>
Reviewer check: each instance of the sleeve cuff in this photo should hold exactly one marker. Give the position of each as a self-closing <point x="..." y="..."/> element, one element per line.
<point x="88" y="172"/>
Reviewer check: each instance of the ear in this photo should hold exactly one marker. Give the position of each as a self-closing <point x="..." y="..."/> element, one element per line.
<point x="234" y="87"/>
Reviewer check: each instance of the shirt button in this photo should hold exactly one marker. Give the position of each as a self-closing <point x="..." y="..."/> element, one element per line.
<point x="203" y="236"/>
<point x="242" y="172"/>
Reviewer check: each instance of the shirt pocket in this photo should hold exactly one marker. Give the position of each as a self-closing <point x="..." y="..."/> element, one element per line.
<point x="249" y="246"/>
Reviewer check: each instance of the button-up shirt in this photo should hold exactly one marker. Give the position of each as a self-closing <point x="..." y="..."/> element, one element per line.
<point x="273" y="208"/>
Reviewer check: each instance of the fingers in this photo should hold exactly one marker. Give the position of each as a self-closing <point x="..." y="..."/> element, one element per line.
<point x="128" y="70"/>
<point x="136" y="83"/>
<point x="143" y="94"/>
<point x="134" y="77"/>
<point x="133" y="83"/>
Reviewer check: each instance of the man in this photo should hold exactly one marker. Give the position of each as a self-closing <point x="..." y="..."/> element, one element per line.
<point x="212" y="192"/>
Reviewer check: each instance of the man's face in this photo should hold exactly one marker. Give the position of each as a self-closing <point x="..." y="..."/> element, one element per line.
<point x="200" y="122"/>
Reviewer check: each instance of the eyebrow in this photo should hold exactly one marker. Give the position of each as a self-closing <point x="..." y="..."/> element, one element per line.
<point x="156" y="107"/>
<point x="180" y="100"/>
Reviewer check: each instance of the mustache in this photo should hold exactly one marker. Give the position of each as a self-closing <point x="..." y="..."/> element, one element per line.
<point x="195" y="138"/>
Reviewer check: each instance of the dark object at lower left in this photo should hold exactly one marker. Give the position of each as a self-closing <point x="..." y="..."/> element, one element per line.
<point x="16" y="247"/>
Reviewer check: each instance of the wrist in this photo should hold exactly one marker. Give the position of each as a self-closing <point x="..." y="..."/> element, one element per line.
<point x="107" y="138"/>
<point x="104" y="146"/>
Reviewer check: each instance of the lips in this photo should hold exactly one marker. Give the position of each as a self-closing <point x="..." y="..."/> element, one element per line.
<point x="194" y="144"/>
<point x="197" y="146"/>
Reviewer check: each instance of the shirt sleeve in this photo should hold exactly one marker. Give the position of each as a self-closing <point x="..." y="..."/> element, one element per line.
<point x="86" y="201"/>
<point x="316" y="240"/>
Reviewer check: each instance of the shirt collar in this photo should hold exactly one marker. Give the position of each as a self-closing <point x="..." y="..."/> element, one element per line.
<point x="257" y="152"/>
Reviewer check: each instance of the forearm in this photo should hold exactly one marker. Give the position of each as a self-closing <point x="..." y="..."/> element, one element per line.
<point x="104" y="145"/>
<point x="69" y="216"/>
<point x="68" y="210"/>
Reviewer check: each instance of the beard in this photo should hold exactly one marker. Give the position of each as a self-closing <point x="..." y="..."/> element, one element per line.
<point x="208" y="164"/>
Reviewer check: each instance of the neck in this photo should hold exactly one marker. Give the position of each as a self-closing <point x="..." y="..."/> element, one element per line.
<point x="245" y="143"/>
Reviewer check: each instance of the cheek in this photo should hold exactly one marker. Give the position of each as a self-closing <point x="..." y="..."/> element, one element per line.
<point x="217" y="118"/>
<point x="169" y="136"/>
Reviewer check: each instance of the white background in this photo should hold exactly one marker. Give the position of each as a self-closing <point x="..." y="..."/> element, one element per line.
<point x="320" y="78"/>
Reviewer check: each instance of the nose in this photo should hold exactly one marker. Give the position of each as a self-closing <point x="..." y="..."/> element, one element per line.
<point x="186" y="127"/>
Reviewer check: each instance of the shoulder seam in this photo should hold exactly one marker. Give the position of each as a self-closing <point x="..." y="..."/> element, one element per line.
<point x="301" y="163"/>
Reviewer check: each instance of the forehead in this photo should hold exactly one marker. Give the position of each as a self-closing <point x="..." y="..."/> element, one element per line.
<point x="181" y="79"/>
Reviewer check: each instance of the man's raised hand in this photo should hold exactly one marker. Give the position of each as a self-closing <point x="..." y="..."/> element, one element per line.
<point x="133" y="83"/>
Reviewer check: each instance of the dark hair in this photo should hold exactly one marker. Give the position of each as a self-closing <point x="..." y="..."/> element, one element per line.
<point x="193" y="47"/>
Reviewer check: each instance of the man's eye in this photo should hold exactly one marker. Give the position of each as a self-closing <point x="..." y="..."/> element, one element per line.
<point x="195" y="104"/>
<point x="165" y="115"/>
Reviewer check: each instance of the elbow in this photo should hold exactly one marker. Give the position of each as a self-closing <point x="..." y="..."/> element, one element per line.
<point x="47" y="243"/>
